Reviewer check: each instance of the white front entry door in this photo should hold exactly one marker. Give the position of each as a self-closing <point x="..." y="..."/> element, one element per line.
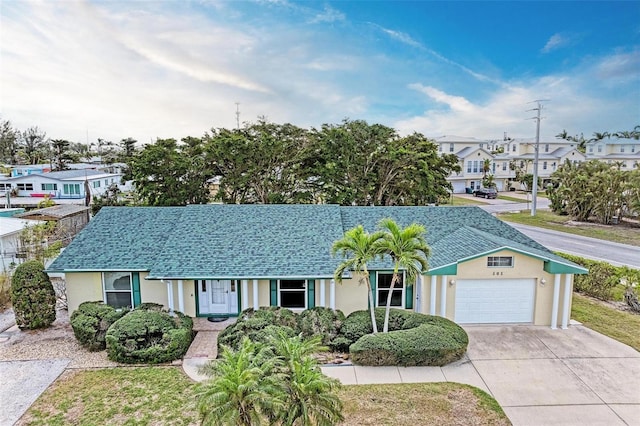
<point x="216" y="296"/>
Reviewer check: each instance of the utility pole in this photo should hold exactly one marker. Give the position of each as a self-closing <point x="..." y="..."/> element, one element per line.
<point x="238" y="115"/>
<point x="534" y="189"/>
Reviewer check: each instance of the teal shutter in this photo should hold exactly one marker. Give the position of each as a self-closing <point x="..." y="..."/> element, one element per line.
<point x="408" y="296"/>
<point x="372" y="280"/>
<point x="137" y="299"/>
<point x="311" y="294"/>
<point x="274" y="292"/>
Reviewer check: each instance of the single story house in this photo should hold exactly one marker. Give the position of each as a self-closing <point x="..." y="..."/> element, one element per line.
<point x="67" y="184"/>
<point x="216" y="260"/>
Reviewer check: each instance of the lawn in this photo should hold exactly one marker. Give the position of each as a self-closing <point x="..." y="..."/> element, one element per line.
<point x="463" y="201"/>
<point x="619" y="325"/>
<point x="513" y="199"/>
<point x="165" y="396"/>
<point x="547" y="219"/>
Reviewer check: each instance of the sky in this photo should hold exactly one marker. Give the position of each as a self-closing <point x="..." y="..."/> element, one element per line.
<point x="82" y="70"/>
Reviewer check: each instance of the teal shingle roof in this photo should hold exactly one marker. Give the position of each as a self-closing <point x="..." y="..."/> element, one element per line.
<point x="271" y="241"/>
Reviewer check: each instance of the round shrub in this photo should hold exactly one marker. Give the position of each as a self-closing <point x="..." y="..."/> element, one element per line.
<point x="436" y="344"/>
<point x="358" y="324"/>
<point x="321" y="321"/>
<point x="32" y="296"/>
<point x="251" y="322"/>
<point x="149" y="336"/>
<point x="91" y="321"/>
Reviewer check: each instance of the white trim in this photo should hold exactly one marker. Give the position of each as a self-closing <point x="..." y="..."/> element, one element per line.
<point x="304" y="290"/>
<point x="403" y="290"/>
<point x="323" y="302"/>
<point x="180" y="296"/>
<point x="443" y="296"/>
<point x="245" y="294"/>
<point x="170" y="296"/>
<point x="566" y="305"/>
<point x="556" y="300"/>
<point x="418" y="295"/>
<point x="432" y="296"/>
<point x="332" y="295"/>
<point x="256" y="304"/>
<point x="104" y="288"/>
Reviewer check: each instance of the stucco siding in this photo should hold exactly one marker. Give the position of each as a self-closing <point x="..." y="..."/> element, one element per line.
<point x="351" y="295"/>
<point x="83" y="287"/>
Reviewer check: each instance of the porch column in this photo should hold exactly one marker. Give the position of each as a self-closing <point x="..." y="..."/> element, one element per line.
<point x="245" y="294"/>
<point x="432" y="295"/>
<point x="418" y="284"/>
<point x="256" y="304"/>
<point x="332" y="294"/>
<point x="180" y="296"/>
<point x="566" y="305"/>
<point x="323" y="302"/>
<point x="170" y="295"/>
<point x="443" y="296"/>
<point x="556" y="301"/>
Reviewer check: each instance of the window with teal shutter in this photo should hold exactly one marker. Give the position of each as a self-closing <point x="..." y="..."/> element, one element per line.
<point x="372" y="281"/>
<point x="274" y="292"/>
<point x="311" y="294"/>
<point x="408" y="294"/>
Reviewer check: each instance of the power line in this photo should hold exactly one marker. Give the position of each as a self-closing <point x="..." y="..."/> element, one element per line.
<point x="534" y="189"/>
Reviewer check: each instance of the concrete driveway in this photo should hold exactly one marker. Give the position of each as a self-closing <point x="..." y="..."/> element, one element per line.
<point x="538" y="375"/>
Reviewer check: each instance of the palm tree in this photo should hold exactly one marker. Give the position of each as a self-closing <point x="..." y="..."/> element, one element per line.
<point x="244" y="389"/>
<point x="311" y="399"/>
<point x="408" y="250"/>
<point x="358" y="248"/>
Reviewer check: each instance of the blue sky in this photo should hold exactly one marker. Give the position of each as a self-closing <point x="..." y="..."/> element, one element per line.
<point x="85" y="70"/>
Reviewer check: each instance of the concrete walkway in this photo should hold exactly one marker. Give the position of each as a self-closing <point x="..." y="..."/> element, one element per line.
<point x="539" y="376"/>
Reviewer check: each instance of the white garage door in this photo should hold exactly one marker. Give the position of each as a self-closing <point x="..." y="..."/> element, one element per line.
<point x="494" y="301"/>
<point x="458" y="186"/>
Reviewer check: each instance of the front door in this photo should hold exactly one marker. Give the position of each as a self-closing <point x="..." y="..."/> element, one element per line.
<point x="214" y="296"/>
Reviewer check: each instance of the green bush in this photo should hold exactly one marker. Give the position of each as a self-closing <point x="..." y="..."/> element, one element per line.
<point x="251" y="324"/>
<point x="601" y="279"/>
<point x="437" y="343"/>
<point x="320" y="321"/>
<point x="91" y="321"/>
<point x="32" y="296"/>
<point x="149" y="336"/>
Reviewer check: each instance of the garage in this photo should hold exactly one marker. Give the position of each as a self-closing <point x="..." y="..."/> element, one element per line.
<point x="494" y="301"/>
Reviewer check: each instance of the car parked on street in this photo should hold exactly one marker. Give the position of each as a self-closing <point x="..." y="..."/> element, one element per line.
<point x="486" y="192"/>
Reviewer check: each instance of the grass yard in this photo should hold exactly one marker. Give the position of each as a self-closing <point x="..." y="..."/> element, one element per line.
<point x="462" y="201"/>
<point x="165" y="396"/>
<point x="513" y="199"/>
<point x="619" y="325"/>
<point x="550" y="220"/>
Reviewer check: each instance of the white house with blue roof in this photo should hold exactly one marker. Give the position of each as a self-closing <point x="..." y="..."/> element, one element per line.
<point x="67" y="184"/>
<point x="216" y="260"/>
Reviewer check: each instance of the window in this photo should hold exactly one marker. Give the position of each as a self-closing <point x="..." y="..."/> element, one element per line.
<point x="117" y="289"/>
<point x="383" y="286"/>
<point x="504" y="166"/>
<point x="544" y="165"/>
<point x="633" y="148"/>
<point x="599" y="148"/>
<point x="475" y="166"/>
<point x="440" y="147"/>
<point x="96" y="184"/>
<point x="292" y="294"/>
<point x="546" y="147"/>
<point x="469" y="166"/>
<point x="590" y="150"/>
<point x="106" y="182"/>
<point x="513" y="147"/>
<point x="71" y="189"/>
<point x="481" y="145"/>
<point x="451" y="147"/>
<point x="621" y="148"/>
<point x="500" y="261"/>
<point x="25" y="186"/>
<point x="49" y="186"/>
<point x="5" y="186"/>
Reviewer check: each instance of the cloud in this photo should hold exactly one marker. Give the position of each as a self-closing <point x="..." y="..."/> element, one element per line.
<point x="560" y="41"/>
<point x="328" y="15"/>
<point x="401" y="37"/>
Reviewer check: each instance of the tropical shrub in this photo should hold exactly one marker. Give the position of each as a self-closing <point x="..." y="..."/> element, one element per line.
<point x="258" y="325"/>
<point x="321" y="321"/>
<point x="32" y="296"/>
<point x="91" y="321"/>
<point x="427" y="344"/>
<point x="358" y="324"/>
<point x="149" y="336"/>
<point x="602" y="277"/>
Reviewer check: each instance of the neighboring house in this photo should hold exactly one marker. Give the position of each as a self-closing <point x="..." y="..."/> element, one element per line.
<point x="625" y="152"/>
<point x="68" y="184"/>
<point x="69" y="218"/>
<point x="216" y="260"/>
<point x="10" y="230"/>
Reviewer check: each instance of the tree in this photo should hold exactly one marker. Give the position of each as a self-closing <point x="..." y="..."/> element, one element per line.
<point x="32" y="296"/>
<point x="110" y="197"/>
<point x="42" y="241"/>
<point x="408" y="250"/>
<point x="61" y="156"/>
<point x="168" y="174"/>
<point x="33" y="145"/>
<point x="357" y="248"/>
<point x="243" y="389"/>
<point x="8" y="143"/>
<point x="579" y="139"/>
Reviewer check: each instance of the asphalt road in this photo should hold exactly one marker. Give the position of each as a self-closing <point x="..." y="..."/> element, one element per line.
<point x="591" y="248"/>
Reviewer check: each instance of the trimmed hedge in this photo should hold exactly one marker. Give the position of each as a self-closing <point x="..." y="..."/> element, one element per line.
<point x="91" y="321"/>
<point x="32" y="296"/>
<point x="258" y="326"/>
<point x="427" y="344"/>
<point x="149" y="336"/>
<point x="321" y="321"/>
